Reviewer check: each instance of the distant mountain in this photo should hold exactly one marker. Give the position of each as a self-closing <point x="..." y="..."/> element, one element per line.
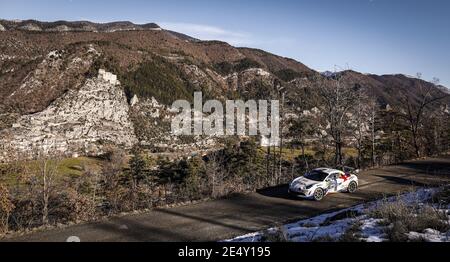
<point x="77" y="26"/>
<point x="46" y="65"/>
<point x="328" y="73"/>
<point x="444" y="89"/>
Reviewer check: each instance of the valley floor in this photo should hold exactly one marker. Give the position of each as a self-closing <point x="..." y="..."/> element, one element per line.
<point x="246" y="213"/>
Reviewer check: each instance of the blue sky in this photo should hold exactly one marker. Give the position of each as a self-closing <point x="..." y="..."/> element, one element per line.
<point x="371" y="36"/>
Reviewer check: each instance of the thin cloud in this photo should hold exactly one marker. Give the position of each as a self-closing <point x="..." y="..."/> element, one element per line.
<point x="208" y="32"/>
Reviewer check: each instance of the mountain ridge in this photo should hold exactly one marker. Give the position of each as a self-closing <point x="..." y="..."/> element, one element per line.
<point x="155" y="68"/>
<point x="117" y="26"/>
<point x="68" y="26"/>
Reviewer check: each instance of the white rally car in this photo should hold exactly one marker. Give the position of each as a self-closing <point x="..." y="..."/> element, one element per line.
<point x="322" y="181"/>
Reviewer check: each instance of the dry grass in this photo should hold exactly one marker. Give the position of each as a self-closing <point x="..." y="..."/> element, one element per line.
<point x="442" y="197"/>
<point x="352" y="234"/>
<point x="67" y="168"/>
<point x="275" y="236"/>
<point x="324" y="239"/>
<point x="403" y="218"/>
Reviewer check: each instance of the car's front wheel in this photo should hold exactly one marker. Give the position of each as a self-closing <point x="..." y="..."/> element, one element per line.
<point x="352" y="187"/>
<point x="319" y="194"/>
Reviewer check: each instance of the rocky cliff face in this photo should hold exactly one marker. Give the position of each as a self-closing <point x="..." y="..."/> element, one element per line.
<point x="30" y="86"/>
<point x="82" y="121"/>
<point x="49" y="99"/>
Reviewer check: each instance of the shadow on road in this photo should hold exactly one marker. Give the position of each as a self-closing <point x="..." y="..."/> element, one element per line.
<point x="137" y="231"/>
<point x="403" y="181"/>
<point x="278" y="192"/>
<point x="243" y="213"/>
<point x="203" y="219"/>
<point x="429" y="167"/>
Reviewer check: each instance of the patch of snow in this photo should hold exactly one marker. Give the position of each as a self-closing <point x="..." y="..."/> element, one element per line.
<point x="249" y="238"/>
<point x="328" y="73"/>
<point x="430" y="235"/>
<point x="307" y="234"/>
<point x="371" y="229"/>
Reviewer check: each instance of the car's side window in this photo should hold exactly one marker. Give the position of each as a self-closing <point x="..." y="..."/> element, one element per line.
<point x="330" y="179"/>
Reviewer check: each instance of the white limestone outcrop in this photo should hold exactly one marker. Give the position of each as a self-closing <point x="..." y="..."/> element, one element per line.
<point x="81" y="121"/>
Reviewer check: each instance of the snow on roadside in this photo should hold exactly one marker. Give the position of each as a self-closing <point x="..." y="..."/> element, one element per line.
<point x="328" y="226"/>
<point x="371" y="231"/>
<point x="430" y="235"/>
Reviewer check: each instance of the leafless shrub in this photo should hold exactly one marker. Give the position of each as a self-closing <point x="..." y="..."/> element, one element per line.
<point x="45" y="171"/>
<point x="324" y="238"/>
<point x="352" y="234"/>
<point x="404" y="218"/>
<point x="274" y="236"/>
<point x="112" y="174"/>
<point x="75" y="206"/>
<point x="6" y="207"/>
<point x="442" y="196"/>
<point x="35" y="189"/>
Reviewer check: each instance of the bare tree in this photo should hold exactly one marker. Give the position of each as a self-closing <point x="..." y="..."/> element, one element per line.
<point x="416" y="108"/>
<point x="373" y="113"/>
<point x="337" y="99"/>
<point x="6" y="207"/>
<point x="111" y="172"/>
<point x="299" y="129"/>
<point x="282" y="122"/>
<point x="45" y="170"/>
<point x="268" y="160"/>
<point x="363" y="122"/>
<point x="215" y="174"/>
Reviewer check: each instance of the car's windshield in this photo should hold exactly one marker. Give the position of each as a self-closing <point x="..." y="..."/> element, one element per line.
<point x="316" y="175"/>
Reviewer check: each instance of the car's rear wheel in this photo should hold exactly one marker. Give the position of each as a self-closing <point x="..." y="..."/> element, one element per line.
<point x="319" y="194"/>
<point x="352" y="187"/>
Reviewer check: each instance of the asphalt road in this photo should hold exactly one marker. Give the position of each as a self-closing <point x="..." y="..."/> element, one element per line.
<point x="245" y="213"/>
